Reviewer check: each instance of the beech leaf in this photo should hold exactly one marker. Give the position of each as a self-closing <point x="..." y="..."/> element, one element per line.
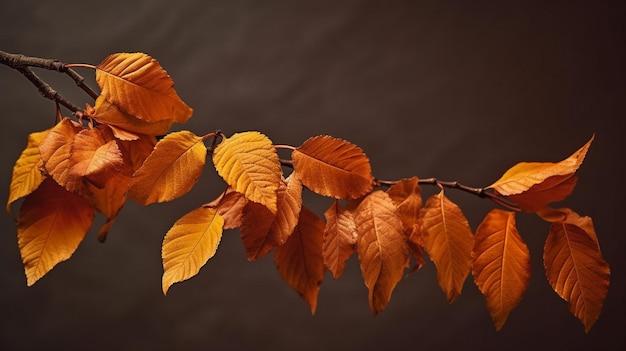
<point x="95" y="155"/>
<point x="136" y="84"/>
<point x="448" y="240"/>
<point x="248" y="162"/>
<point x="27" y="170"/>
<point x="333" y="167"/>
<point x="381" y="247"/>
<point x="501" y="264"/>
<point x="340" y="237"/>
<point x="51" y="224"/>
<point x="576" y="270"/>
<point x="106" y="112"/>
<point x="299" y="260"/>
<point x="189" y="244"/>
<point x="229" y="205"/>
<point x="171" y="170"/>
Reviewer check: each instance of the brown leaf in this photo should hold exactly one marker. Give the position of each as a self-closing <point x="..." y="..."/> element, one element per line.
<point x="189" y="244"/>
<point x="139" y="86"/>
<point x="576" y="270"/>
<point x="448" y="240"/>
<point x="51" y="224"/>
<point x="27" y="170"/>
<point x="339" y="240"/>
<point x="333" y="167"/>
<point x="381" y="247"/>
<point x="248" y="162"/>
<point x="171" y="170"/>
<point x="230" y="205"/>
<point x="566" y="215"/>
<point x="501" y="264"/>
<point x="540" y="195"/>
<point x="299" y="260"/>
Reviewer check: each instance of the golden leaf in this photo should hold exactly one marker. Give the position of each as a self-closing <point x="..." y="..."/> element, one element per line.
<point x="106" y="112"/>
<point x="299" y="260"/>
<point x="340" y="236"/>
<point x="189" y="244"/>
<point x="448" y="240"/>
<point x="501" y="264"/>
<point x="171" y="170"/>
<point x="51" y="224"/>
<point x="248" y="162"/>
<point x="576" y="270"/>
<point x="381" y="247"/>
<point x="333" y="167"/>
<point x="139" y="86"/>
<point x="27" y="170"/>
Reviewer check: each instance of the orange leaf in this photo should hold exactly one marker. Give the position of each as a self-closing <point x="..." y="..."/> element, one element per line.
<point x="551" y="190"/>
<point x="521" y="177"/>
<point x="171" y="170"/>
<point x="448" y="241"/>
<point x="106" y="112"/>
<point x="248" y="162"/>
<point x="407" y="196"/>
<point x="95" y="156"/>
<point x="229" y="205"/>
<point x="51" y="224"/>
<point x="501" y="264"/>
<point x="55" y="150"/>
<point x="189" y="244"/>
<point x="138" y="150"/>
<point x="340" y="238"/>
<point x="139" y="86"/>
<point x="576" y="270"/>
<point x="26" y="172"/>
<point x="381" y="247"/>
<point x="566" y="215"/>
<point x="333" y="167"/>
<point x="261" y="231"/>
<point x="299" y="260"/>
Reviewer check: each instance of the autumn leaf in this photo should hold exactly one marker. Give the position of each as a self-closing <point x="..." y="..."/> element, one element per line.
<point x="576" y="270"/>
<point x="566" y="215"/>
<point x="51" y="224"/>
<point x="381" y="247"/>
<point x="333" y="167"/>
<point x="138" y="150"/>
<point x="540" y="195"/>
<point x="95" y="155"/>
<point x="448" y="240"/>
<point x="189" y="244"/>
<point x="106" y="112"/>
<point x="56" y="152"/>
<point x="136" y="84"/>
<point x="248" y="162"/>
<point x="171" y="170"/>
<point x="339" y="240"/>
<point x="230" y="205"/>
<point x="501" y="264"/>
<point x="27" y="170"/>
<point x="299" y="260"/>
<point x="406" y="194"/>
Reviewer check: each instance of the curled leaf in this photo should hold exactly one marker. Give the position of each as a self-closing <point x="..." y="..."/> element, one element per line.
<point x="229" y="205"/>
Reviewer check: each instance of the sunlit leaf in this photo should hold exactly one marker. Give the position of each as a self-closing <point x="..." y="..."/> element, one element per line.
<point x="381" y="247"/>
<point x="248" y="162"/>
<point x="501" y="264"/>
<point x="576" y="270"/>
<point x="524" y="175"/>
<point x="230" y="205"/>
<point x="333" y="167"/>
<point x="139" y="86"/>
<point x="106" y="112"/>
<point x="448" y="240"/>
<point x="407" y="196"/>
<point x="27" y="170"/>
<point x="299" y="260"/>
<point x="95" y="155"/>
<point x="51" y="224"/>
<point x="171" y="170"/>
<point x="340" y="238"/>
<point x="56" y="151"/>
<point x="189" y="244"/>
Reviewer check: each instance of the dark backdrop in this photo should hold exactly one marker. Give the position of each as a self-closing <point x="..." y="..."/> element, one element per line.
<point x="459" y="91"/>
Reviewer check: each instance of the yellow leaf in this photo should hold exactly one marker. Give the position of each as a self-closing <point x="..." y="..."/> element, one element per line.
<point x="56" y="151"/>
<point x="51" y="224"/>
<point x="333" y="167"/>
<point x="340" y="238"/>
<point x="448" y="240"/>
<point x="524" y="175"/>
<point x="171" y="170"/>
<point x="139" y="86"/>
<point x="576" y="270"/>
<point x="189" y="244"/>
<point x="106" y="112"/>
<point x="501" y="264"/>
<point x="26" y="172"/>
<point x="248" y="162"/>
<point x="381" y="247"/>
<point x="299" y="260"/>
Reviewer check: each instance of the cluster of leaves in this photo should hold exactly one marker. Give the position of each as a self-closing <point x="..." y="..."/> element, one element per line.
<point x="111" y="153"/>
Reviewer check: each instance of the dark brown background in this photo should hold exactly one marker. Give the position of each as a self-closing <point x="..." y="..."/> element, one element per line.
<point x="459" y="91"/>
